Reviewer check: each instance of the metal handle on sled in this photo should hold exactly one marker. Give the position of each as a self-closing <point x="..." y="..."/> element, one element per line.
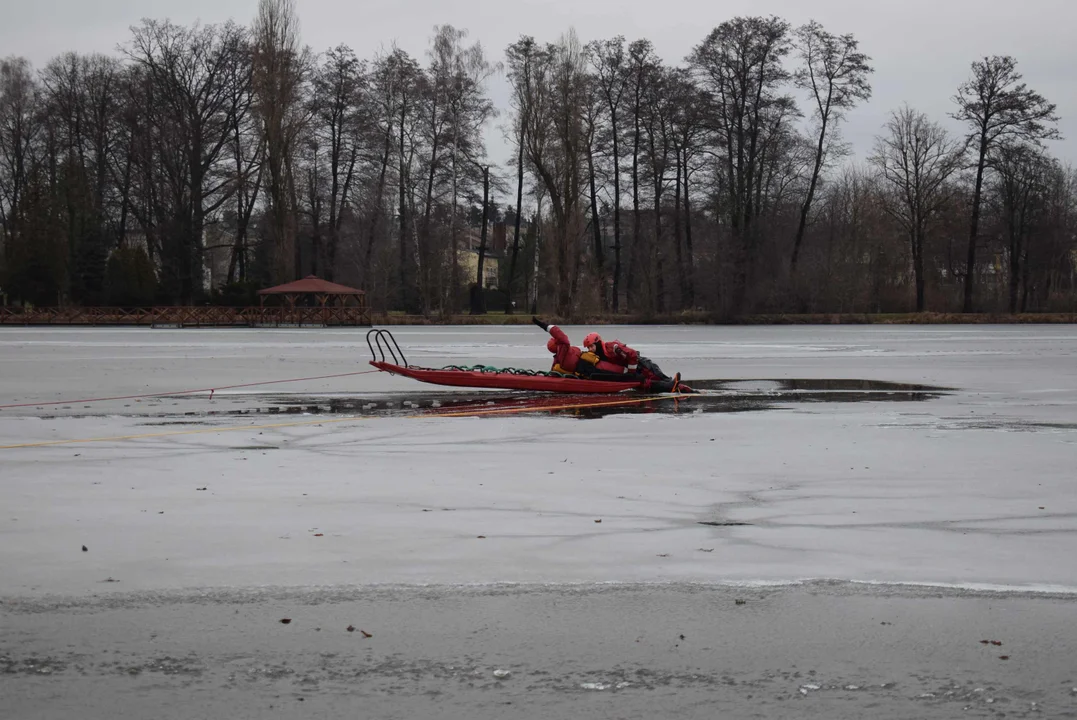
<point x="390" y="345"/>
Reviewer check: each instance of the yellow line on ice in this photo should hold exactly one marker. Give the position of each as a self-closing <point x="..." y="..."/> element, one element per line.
<point x="569" y="406"/>
<point x="351" y="418"/>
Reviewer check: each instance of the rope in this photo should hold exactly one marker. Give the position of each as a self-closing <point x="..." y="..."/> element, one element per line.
<point x="183" y="392"/>
<point x="507" y="371"/>
<point x="352" y="418"/>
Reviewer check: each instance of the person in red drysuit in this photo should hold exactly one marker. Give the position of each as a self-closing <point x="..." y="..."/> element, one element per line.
<point x="595" y="363"/>
<point x="617" y="353"/>
<point x="571" y="360"/>
<point x="566" y="356"/>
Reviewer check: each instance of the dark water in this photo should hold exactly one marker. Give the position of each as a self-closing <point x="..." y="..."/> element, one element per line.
<point x="714" y="396"/>
<point x="711" y="396"/>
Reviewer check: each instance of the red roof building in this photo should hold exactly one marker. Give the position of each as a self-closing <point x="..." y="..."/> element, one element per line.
<point x="321" y="291"/>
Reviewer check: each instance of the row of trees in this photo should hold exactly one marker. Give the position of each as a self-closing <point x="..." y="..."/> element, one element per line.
<point x="637" y="186"/>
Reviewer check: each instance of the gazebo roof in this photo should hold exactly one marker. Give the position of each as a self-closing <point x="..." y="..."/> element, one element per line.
<point x="311" y="285"/>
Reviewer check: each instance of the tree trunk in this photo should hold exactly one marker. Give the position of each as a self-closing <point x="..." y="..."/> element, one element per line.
<point x="1015" y="282"/>
<point x="315" y="218"/>
<point x="974" y="223"/>
<point x="292" y="206"/>
<point x="516" y="230"/>
<point x="125" y="201"/>
<point x="659" y="300"/>
<point x="378" y="199"/>
<point x="1016" y="230"/>
<point x="635" y="210"/>
<point x="918" y="266"/>
<point x="428" y="201"/>
<point x="616" y="290"/>
<point x="316" y="259"/>
<point x="806" y="207"/>
<point x="194" y="288"/>
<point x="454" y="270"/>
<point x="1025" y="277"/>
<point x="688" y="237"/>
<point x="336" y="219"/>
<point x="682" y="275"/>
<point x="478" y="297"/>
<point x="404" y="301"/>
<point x="535" y="269"/>
<point x="596" y="229"/>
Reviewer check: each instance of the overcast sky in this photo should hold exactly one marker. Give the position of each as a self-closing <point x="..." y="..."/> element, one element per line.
<point x="921" y="49"/>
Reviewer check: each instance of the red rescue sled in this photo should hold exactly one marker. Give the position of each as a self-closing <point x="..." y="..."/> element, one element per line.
<point x="506" y="380"/>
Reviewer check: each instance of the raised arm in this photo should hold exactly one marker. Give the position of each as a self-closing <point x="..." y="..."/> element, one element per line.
<point x="557" y="333"/>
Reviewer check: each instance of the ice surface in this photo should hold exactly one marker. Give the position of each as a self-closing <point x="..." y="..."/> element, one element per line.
<point x="975" y="488"/>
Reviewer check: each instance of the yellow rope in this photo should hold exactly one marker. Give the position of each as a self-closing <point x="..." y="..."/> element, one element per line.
<point x="608" y="403"/>
<point x="351" y="418"/>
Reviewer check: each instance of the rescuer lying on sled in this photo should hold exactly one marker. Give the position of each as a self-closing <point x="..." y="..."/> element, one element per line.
<point x="617" y="353"/>
<point x="603" y="361"/>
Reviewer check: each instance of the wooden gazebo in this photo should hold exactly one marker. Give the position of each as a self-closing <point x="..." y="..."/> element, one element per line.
<point x="332" y="303"/>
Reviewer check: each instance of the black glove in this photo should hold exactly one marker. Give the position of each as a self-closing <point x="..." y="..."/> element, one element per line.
<point x="541" y="324"/>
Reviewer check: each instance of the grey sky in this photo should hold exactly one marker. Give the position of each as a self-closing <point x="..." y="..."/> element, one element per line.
<point x="921" y="49"/>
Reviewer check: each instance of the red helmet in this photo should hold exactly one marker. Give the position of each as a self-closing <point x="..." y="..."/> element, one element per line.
<point x="592" y="339"/>
<point x="552" y="345"/>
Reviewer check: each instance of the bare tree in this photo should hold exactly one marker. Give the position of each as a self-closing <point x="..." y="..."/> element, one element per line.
<point x="402" y="88"/>
<point x="280" y="71"/>
<point x="835" y="73"/>
<point x="81" y="100"/>
<point x="337" y="126"/>
<point x="997" y="106"/>
<point x="592" y="119"/>
<point x="1051" y="264"/>
<point x="437" y="137"/>
<point x="609" y="62"/>
<point x="468" y="110"/>
<point x="18" y="104"/>
<point x="247" y="143"/>
<point x="1022" y="178"/>
<point x="189" y="70"/>
<point x="199" y="147"/>
<point x="658" y="127"/>
<point x="642" y="69"/>
<point x="18" y="132"/>
<point x="740" y="64"/>
<point x="555" y="138"/>
<point x="916" y="159"/>
<point x="383" y="111"/>
<point x="688" y="138"/>
<point x="521" y="58"/>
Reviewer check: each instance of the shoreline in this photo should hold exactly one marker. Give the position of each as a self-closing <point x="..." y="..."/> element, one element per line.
<point x="705" y="319"/>
<point x="554" y="651"/>
<point x="340" y="593"/>
<point x="686" y="319"/>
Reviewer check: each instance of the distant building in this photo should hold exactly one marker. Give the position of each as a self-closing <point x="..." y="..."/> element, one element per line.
<point x="470" y="242"/>
<point x="469" y="263"/>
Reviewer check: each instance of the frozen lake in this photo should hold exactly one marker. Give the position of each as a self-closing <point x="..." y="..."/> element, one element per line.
<point x="847" y="522"/>
<point x="973" y="486"/>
